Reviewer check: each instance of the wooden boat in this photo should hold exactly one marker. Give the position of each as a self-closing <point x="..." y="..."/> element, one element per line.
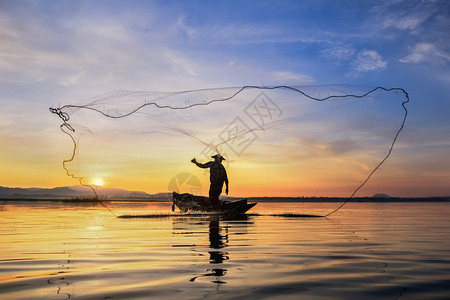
<point x="188" y="202"/>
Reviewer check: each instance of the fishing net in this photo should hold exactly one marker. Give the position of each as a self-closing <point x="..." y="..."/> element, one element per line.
<point x="277" y="141"/>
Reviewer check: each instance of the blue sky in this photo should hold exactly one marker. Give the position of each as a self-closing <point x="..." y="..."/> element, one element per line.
<point x="62" y="51"/>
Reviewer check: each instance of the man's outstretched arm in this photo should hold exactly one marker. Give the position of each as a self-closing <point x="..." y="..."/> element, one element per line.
<point x="204" y="166"/>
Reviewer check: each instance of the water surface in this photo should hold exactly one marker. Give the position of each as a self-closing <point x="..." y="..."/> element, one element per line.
<point x="365" y="251"/>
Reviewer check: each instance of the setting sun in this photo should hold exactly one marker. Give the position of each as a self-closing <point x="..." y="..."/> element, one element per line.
<point x="98" y="181"/>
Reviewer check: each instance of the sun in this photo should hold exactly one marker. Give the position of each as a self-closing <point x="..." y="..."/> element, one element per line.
<point x="98" y="181"/>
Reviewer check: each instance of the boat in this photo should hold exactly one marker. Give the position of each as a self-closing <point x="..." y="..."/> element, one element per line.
<point x="191" y="203"/>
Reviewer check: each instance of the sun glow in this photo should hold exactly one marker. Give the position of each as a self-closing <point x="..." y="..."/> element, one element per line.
<point x="98" y="181"/>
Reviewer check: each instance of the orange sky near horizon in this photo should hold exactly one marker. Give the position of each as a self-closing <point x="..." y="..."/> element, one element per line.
<point x="43" y="168"/>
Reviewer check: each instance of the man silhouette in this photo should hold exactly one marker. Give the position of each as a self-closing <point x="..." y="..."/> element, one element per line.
<point x="218" y="175"/>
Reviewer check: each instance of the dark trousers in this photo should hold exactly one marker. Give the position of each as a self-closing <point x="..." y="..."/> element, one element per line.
<point x="214" y="192"/>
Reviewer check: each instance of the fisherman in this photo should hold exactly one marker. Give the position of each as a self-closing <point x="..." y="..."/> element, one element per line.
<point x="218" y="175"/>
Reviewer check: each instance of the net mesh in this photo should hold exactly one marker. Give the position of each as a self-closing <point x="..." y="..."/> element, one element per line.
<point x="277" y="141"/>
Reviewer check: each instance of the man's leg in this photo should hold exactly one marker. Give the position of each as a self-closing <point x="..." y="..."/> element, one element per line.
<point x="214" y="193"/>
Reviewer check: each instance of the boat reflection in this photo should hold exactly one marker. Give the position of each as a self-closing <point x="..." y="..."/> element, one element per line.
<point x="219" y="235"/>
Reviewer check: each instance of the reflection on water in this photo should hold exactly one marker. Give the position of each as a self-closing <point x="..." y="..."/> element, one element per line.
<point x="218" y="237"/>
<point x="217" y="255"/>
<point x="367" y="251"/>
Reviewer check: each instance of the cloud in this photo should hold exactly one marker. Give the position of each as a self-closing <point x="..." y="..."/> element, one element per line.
<point x="339" y="53"/>
<point x="183" y="27"/>
<point x="368" y="60"/>
<point x="340" y="147"/>
<point x="407" y="22"/>
<point x="426" y="52"/>
<point x="410" y="16"/>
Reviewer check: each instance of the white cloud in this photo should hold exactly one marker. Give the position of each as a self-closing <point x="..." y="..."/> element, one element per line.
<point x="404" y="15"/>
<point x="408" y="22"/>
<point x="425" y="52"/>
<point x="368" y="60"/>
<point x="339" y="53"/>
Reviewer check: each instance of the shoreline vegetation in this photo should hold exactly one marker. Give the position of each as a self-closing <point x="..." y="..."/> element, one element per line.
<point x="252" y="199"/>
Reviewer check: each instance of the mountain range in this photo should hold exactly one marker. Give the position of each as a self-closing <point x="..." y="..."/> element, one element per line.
<point x="79" y="192"/>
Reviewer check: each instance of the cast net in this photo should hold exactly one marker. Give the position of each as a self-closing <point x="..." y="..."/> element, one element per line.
<point x="280" y="141"/>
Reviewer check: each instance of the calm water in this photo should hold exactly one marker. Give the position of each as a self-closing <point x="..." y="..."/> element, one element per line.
<point x="365" y="251"/>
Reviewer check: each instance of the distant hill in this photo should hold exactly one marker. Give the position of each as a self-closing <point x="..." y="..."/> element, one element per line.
<point x="38" y="193"/>
<point x="78" y="192"/>
<point x="381" y="196"/>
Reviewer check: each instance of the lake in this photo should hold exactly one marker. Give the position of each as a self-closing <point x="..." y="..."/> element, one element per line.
<point x="364" y="251"/>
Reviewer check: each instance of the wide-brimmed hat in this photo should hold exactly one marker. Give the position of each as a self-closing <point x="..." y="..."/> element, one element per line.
<point x="218" y="156"/>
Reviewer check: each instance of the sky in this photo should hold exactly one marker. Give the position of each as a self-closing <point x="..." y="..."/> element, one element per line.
<point x="54" y="53"/>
